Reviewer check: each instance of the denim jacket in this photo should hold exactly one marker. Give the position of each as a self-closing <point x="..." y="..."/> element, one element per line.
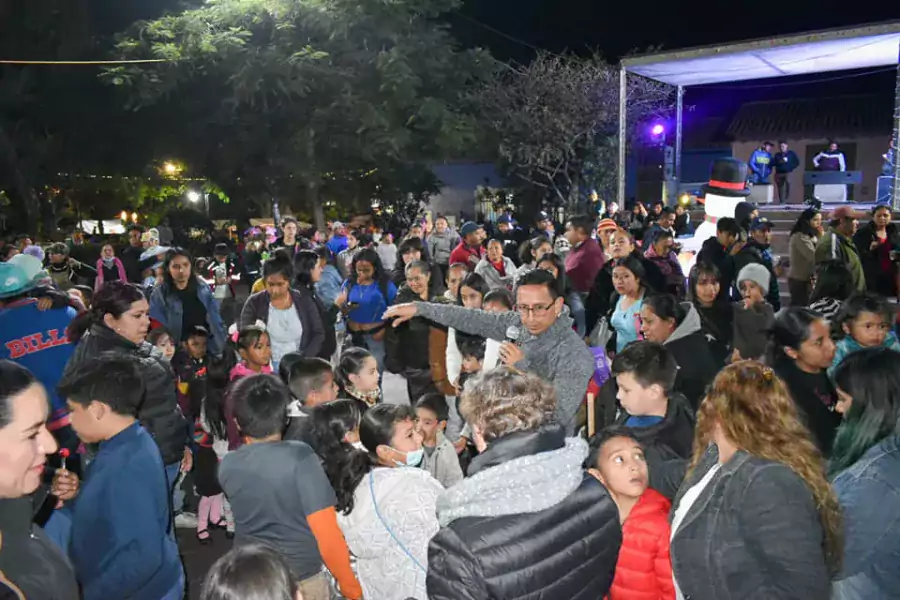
<point x="167" y="309"/>
<point x="869" y="494"/>
<point x="754" y="532"/>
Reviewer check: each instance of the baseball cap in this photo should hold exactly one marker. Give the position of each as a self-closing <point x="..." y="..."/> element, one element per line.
<point x="469" y="227"/>
<point x="541" y="216"/>
<point x="845" y="212"/>
<point x="760" y="223"/>
<point x="506" y="219"/>
<point x="20" y="274"/>
<point x="337" y="225"/>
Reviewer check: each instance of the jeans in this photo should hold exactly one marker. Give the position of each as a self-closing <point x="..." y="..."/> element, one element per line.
<point x="173" y="477"/>
<point x="782" y="187"/>
<point x="376" y="347"/>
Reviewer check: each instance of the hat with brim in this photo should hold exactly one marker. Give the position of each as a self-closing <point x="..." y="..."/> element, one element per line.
<point x="469" y="227"/>
<point x="728" y="177"/>
<point x="20" y="274"/>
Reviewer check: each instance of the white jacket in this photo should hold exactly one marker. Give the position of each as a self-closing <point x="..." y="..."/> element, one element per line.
<point x="405" y="500"/>
<point x="454" y="358"/>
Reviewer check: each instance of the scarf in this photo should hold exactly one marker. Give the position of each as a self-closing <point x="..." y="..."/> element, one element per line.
<point x="369" y="398"/>
<point x="98" y="283"/>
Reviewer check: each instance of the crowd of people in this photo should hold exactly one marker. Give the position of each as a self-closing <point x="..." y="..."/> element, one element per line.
<point x="582" y="418"/>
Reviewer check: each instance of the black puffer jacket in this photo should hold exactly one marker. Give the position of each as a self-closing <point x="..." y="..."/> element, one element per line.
<point x="159" y="413"/>
<point x="567" y="551"/>
<point x="31" y="565"/>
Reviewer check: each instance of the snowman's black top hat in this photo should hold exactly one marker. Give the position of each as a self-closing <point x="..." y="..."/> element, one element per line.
<point x="728" y="177"/>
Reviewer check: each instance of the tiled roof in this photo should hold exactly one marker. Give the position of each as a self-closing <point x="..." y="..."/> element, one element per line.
<point x="840" y="116"/>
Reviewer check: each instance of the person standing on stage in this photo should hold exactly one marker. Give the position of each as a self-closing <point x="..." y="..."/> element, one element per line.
<point x="785" y="161"/>
<point x="760" y="163"/>
<point x="830" y="160"/>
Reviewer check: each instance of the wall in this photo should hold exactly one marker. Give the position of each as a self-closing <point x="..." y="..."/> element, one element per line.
<point x="868" y="160"/>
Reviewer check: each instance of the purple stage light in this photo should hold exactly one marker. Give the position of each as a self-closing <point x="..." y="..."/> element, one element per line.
<point x="657" y="129"/>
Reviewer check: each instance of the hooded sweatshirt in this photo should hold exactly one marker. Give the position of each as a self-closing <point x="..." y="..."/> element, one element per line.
<point x="557" y="355"/>
<point x="691" y="348"/>
<point x="392" y="507"/>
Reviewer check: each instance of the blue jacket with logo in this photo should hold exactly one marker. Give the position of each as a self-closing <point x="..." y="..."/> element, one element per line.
<point x="37" y="340"/>
<point x="760" y="164"/>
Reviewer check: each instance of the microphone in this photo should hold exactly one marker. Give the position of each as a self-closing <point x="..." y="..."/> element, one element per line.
<point x="512" y="334"/>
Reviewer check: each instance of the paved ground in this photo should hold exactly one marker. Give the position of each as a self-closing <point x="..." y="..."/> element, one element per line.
<point x="199" y="558"/>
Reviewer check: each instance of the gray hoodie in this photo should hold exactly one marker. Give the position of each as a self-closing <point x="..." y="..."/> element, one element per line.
<point x="557" y="355"/>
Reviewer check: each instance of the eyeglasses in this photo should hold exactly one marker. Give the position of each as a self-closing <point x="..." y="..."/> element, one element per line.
<point x="537" y="309"/>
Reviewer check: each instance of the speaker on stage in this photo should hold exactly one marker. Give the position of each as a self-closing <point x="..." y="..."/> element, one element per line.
<point x="884" y="190"/>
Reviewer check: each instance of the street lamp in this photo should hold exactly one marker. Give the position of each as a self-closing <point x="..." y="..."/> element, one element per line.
<point x="170" y="168"/>
<point x="124" y="215"/>
<point x="193" y="195"/>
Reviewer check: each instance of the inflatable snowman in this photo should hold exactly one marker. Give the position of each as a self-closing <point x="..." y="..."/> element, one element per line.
<point x="726" y="189"/>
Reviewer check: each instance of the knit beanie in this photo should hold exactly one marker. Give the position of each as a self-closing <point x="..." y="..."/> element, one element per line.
<point x="756" y="273"/>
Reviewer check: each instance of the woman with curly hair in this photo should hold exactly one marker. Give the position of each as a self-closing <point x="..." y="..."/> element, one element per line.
<point x="755" y="516"/>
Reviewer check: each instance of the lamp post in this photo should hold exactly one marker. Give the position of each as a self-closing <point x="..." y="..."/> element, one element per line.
<point x="195" y="196"/>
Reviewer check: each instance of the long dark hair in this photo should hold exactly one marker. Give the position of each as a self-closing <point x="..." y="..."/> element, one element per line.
<point x="14" y="379"/>
<point x="381" y="277"/>
<point x="351" y="363"/>
<point x="526" y="250"/>
<point x="209" y="395"/>
<point x="305" y="262"/>
<point x="168" y="282"/>
<point x="344" y="465"/>
<point x="790" y="330"/>
<point x="872" y="378"/>
<point x="473" y="281"/>
<point x="803" y="223"/>
<point x="114" y="298"/>
<point x="564" y="284"/>
<point x="666" y="307"/>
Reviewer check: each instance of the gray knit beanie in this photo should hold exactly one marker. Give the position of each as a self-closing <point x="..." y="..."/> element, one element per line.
<point x="756" y="273"/>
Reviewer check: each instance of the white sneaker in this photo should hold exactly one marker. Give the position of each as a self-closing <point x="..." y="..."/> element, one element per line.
<point x="186" y="520"/>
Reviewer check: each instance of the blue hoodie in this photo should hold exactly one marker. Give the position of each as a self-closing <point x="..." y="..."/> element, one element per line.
<point x="36" y="339"/>
<point x="121" y="544"/>
<point x="848" y="346"/>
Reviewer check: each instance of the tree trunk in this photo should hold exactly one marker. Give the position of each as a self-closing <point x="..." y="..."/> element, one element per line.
<point x="312" y="183"/>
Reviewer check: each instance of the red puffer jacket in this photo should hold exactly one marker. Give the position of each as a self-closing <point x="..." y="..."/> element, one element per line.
<point x="644" y="571"/>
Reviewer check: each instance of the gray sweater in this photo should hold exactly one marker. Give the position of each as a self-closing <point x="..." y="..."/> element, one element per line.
<point x="557" y="355"/>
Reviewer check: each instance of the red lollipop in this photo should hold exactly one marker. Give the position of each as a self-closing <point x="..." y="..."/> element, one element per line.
<point x="64" y="454"/>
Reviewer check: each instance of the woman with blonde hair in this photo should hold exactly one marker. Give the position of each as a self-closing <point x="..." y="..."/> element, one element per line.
<point x="755" y="516"/>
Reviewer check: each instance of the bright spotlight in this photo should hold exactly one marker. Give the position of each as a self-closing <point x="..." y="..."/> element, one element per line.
<point x="170" y="168"/>
<point x="658" y="129"/>
<point x="193" y="196"/>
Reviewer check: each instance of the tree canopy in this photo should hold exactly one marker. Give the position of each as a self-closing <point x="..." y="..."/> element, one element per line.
<point x="555" y="122"/>
<point x="300" y="99"/>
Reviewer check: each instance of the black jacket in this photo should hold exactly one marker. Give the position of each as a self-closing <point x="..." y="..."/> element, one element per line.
<point x="692" y="351"/>
<point x="159" y="413"/>
<point x="436" y="285"/>
<point x="717" y="323"/>
<point x="31" y="565"/>
<point x="673" y="437"/>
<point x="407" y="346"/>
<point x="754" y="532"/>
<point x="602" y="297"/>
<point x="566" y="552"/>
<point x="814" y="397"/>
<point x="878" y="280"/>
<point x="329" y="318"/>
<point x="712" y="253"/>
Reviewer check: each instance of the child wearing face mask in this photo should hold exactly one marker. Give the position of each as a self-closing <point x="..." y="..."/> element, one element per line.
<point x="865" y="322"/>
<point x="109" y="267"/>
<point x="644" y="569"/>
